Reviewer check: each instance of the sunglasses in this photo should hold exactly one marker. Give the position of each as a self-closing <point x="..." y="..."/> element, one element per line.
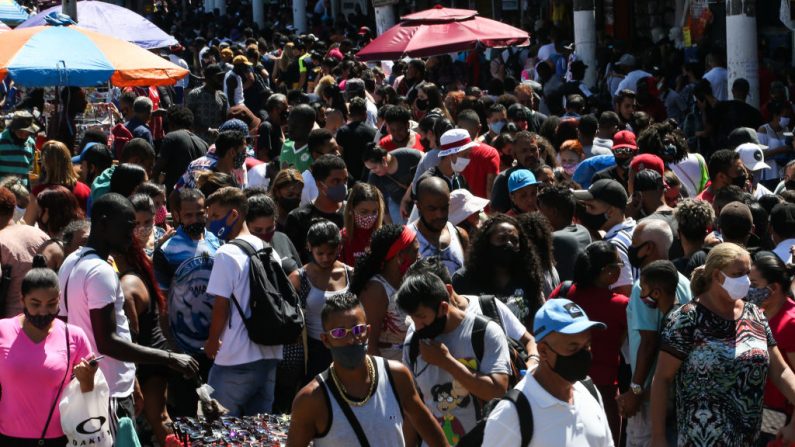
<point x="339" y="333"/>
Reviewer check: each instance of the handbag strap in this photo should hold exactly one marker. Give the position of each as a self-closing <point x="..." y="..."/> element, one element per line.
<point x="60" y="387"/>
<point x="346" y="409"/>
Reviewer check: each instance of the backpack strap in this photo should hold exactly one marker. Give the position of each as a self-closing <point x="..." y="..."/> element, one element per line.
<point x="346" y="409"/>
<point x="525" y="413"/>
<point x="488" y="305"/>
<point x="60" y="387"/>
<point x="589" y="385"/>
<point x="565" y="288"/>
<point x="249" y="250"/>
<point x="478" y="337"/>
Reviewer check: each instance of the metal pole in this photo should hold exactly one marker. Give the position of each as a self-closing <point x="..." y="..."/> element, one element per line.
<point x="384" y="18"/>
<point x="258" y="11"/>
<point x="585" y="37"/>
<point x="741" y="50"/>
<point x="299" y="15"/>
<point x="69" y="7"/>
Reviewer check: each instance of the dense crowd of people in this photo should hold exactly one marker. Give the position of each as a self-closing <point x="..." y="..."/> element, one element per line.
<point x="482" y="249"/>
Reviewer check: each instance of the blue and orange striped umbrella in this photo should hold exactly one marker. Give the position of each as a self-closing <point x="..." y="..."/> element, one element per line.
<point x="44" y="56"/>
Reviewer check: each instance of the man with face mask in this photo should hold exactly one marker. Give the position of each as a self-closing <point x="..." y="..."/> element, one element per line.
<point x="448" y="370"/>
<point x="244" y="373"/>
<point x="624" y="150"/>
<point x="605" y="204"/>
<point x="484" y="160"/>
<point x="527" y="152"/>
<point x="270" y="136"/>
<point x="651" y="242"/>
<point x="558" y="398"/>
<point x="227" y="156"/>
<point x="437" y="236"/>
<point x="358" y="393"/>
<point x="321" y="142"/>
<point x="497" y="118"/>
<point x="182" y="266"/>
<point x="95" y="158"/>
<point x="331" y="177"/>
<point x="753" y="159"/>
<point x="725" y="168"/>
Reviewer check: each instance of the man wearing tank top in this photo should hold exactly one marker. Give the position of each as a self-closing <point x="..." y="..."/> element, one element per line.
<point x="436" y="235"/>
<point x="359" y="399"/>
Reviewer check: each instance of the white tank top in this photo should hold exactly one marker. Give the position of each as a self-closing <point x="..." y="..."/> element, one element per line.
<point x="381" y="418"/>
<point x="315" y="300"/>
<point x="452" y="255"/>
<point x="394" y="325"/>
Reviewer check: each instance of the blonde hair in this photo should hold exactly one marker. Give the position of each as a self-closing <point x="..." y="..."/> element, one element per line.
<point x="719" y="257"/>
<point x="324" y="83"/>
<point x="284" y="178"/>
<point x="56" y="159"/>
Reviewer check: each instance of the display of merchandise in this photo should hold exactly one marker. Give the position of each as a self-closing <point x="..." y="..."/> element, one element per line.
<point x="249" y="431"/>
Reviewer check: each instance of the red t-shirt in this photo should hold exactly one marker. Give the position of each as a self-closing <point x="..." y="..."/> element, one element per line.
<point x="611" y="309"/>
<point x="388" y="145"/>
<point x="354" y="248"/>
<point x="80" y="190"/>
<point x="707" y="195"/>
<point x="483" y="160"/>
<point x="783" y="327"/>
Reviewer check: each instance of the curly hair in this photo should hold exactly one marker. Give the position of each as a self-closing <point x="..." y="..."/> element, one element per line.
<point x="480" y="271"/>
<point x="660" y="138"/>
<point x="371" y="263"/>
<point x="538" y="230"/>
<point x="694" y="218"/>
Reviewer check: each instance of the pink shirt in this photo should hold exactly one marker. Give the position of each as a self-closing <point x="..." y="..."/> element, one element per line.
<point x="30" y="374"/>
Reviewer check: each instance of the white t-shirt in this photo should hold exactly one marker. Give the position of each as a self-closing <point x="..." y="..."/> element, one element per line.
<point x="309" y="192"/>
<point x="718" y="79"/>
<point x="630" y="81"/>
<point x="513" y="327"/>
<point x="556" y="423"/>
<point x="93" y="284"/>
<point x="257" y="176"/>
<point x="230" y="276"/>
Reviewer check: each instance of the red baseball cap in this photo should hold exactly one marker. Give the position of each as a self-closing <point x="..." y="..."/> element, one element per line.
<point x="647" y="161"/>
<point x="624" y="139"/>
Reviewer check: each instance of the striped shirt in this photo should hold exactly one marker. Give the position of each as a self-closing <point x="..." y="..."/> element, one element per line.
<point x="15" y="158"/>
<point x="621" y="236"/>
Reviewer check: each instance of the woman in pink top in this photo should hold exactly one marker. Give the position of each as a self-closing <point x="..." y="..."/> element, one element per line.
<point x="34" y="368"/>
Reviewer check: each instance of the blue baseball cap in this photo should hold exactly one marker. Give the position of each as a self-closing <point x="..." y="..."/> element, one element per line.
<point x="77" y="159"/>
<point x="521" y="178"/>
<point x="563" y="316"/>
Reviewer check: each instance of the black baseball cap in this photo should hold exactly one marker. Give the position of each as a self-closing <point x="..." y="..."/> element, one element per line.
<point x="98" y="154"/>
<point x="606" y="190"/>
<point x="782" y="217"/>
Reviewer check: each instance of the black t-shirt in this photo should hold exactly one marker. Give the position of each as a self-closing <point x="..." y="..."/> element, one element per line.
<point x="729" y="115"/>
<point x="178" y="149"/>
<point x="500" y="198"/>
<point x="300" y="219"/>
<point x="353" y="138"/>
<point x="291" y="259"/>
<point x="269" y="139"/>
<point x="611" y="174"/>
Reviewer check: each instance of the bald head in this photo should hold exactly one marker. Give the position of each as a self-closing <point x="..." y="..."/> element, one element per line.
<point x="659" y="233"/>
<point x="432" y="186"/>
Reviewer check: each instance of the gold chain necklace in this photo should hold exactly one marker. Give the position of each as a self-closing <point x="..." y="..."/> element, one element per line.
<point x="344" y="392"/>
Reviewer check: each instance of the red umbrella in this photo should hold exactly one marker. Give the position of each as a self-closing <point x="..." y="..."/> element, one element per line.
<point x="439" y="31"/>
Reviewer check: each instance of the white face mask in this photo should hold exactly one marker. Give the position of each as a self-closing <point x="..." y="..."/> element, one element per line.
<point x="460" y="164"/>
<point x="19" y="213"/>
<point x="737" y="288"/>
<point x="784" y="121"/>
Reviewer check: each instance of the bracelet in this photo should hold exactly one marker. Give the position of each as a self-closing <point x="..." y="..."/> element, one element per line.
<point x="534" y="356"/>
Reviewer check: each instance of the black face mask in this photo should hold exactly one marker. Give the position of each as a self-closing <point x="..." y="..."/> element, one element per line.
<point x="634" y="259"/>
<point x="426" y="143"/>
<point x="195" y="229"/>
<point x="422" y="104"/>
<point x="624" y="162"/>
<point x="593" y="222"/>
<point x="504" y="256"/>
<point x="789" y="185"/>
<point x="740" y="180"/>
<point x="289" y="203"/>
<point x="432" y="330"/>
<point x="40" y="322"/>
<point x="573" y="368"/>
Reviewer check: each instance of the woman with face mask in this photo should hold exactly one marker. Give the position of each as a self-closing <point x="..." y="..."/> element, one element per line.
<point x="596" y="269"/>
<point x="773" y="135"/>
<point x="286" y="190"/>
<point x="146" y="232"/>
<point x="38" y="355"/>
<point x="502" y="262"/>
<point x="378" y="274"/>
<point x="364" y="214"/>
<point x="770" y="290"/>
<point x="718" y="351"/>
<point x="315" y="282"/>
<point x="569" y="156"/>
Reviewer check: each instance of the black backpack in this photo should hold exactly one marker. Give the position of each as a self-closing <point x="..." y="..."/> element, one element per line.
<point x="517" y="352"/>
<point x="474" y="437"/>
<point x="276" y="316"/>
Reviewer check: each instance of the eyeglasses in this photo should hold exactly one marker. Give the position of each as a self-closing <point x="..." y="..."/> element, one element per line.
<point x="339" y="333"/>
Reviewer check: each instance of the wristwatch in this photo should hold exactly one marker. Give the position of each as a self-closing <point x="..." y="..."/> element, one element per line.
<point x="636" y="389"/>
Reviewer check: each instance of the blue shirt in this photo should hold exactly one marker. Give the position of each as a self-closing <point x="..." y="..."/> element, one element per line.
<point x="139" y="129"/>
<point x="641" y="317"/>
<point x="182" y="267"/>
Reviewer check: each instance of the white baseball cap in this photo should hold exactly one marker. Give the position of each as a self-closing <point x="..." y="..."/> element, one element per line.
<point x="752" y="156"/>
<point x="454" y="141"/>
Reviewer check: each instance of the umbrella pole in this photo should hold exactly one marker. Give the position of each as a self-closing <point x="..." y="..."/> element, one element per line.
<point x="69" y="7"/>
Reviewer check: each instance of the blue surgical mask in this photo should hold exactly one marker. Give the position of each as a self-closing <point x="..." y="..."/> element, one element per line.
<point x="497" y="126"/>
<point x="337" y="193"/>
<point x="219" y="227"/>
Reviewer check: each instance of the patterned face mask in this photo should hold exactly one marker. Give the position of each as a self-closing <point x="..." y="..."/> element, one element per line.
<point x="757" y="295"/>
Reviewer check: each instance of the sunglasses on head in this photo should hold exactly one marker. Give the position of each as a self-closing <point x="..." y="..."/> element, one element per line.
<point x="340" y="332"/>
